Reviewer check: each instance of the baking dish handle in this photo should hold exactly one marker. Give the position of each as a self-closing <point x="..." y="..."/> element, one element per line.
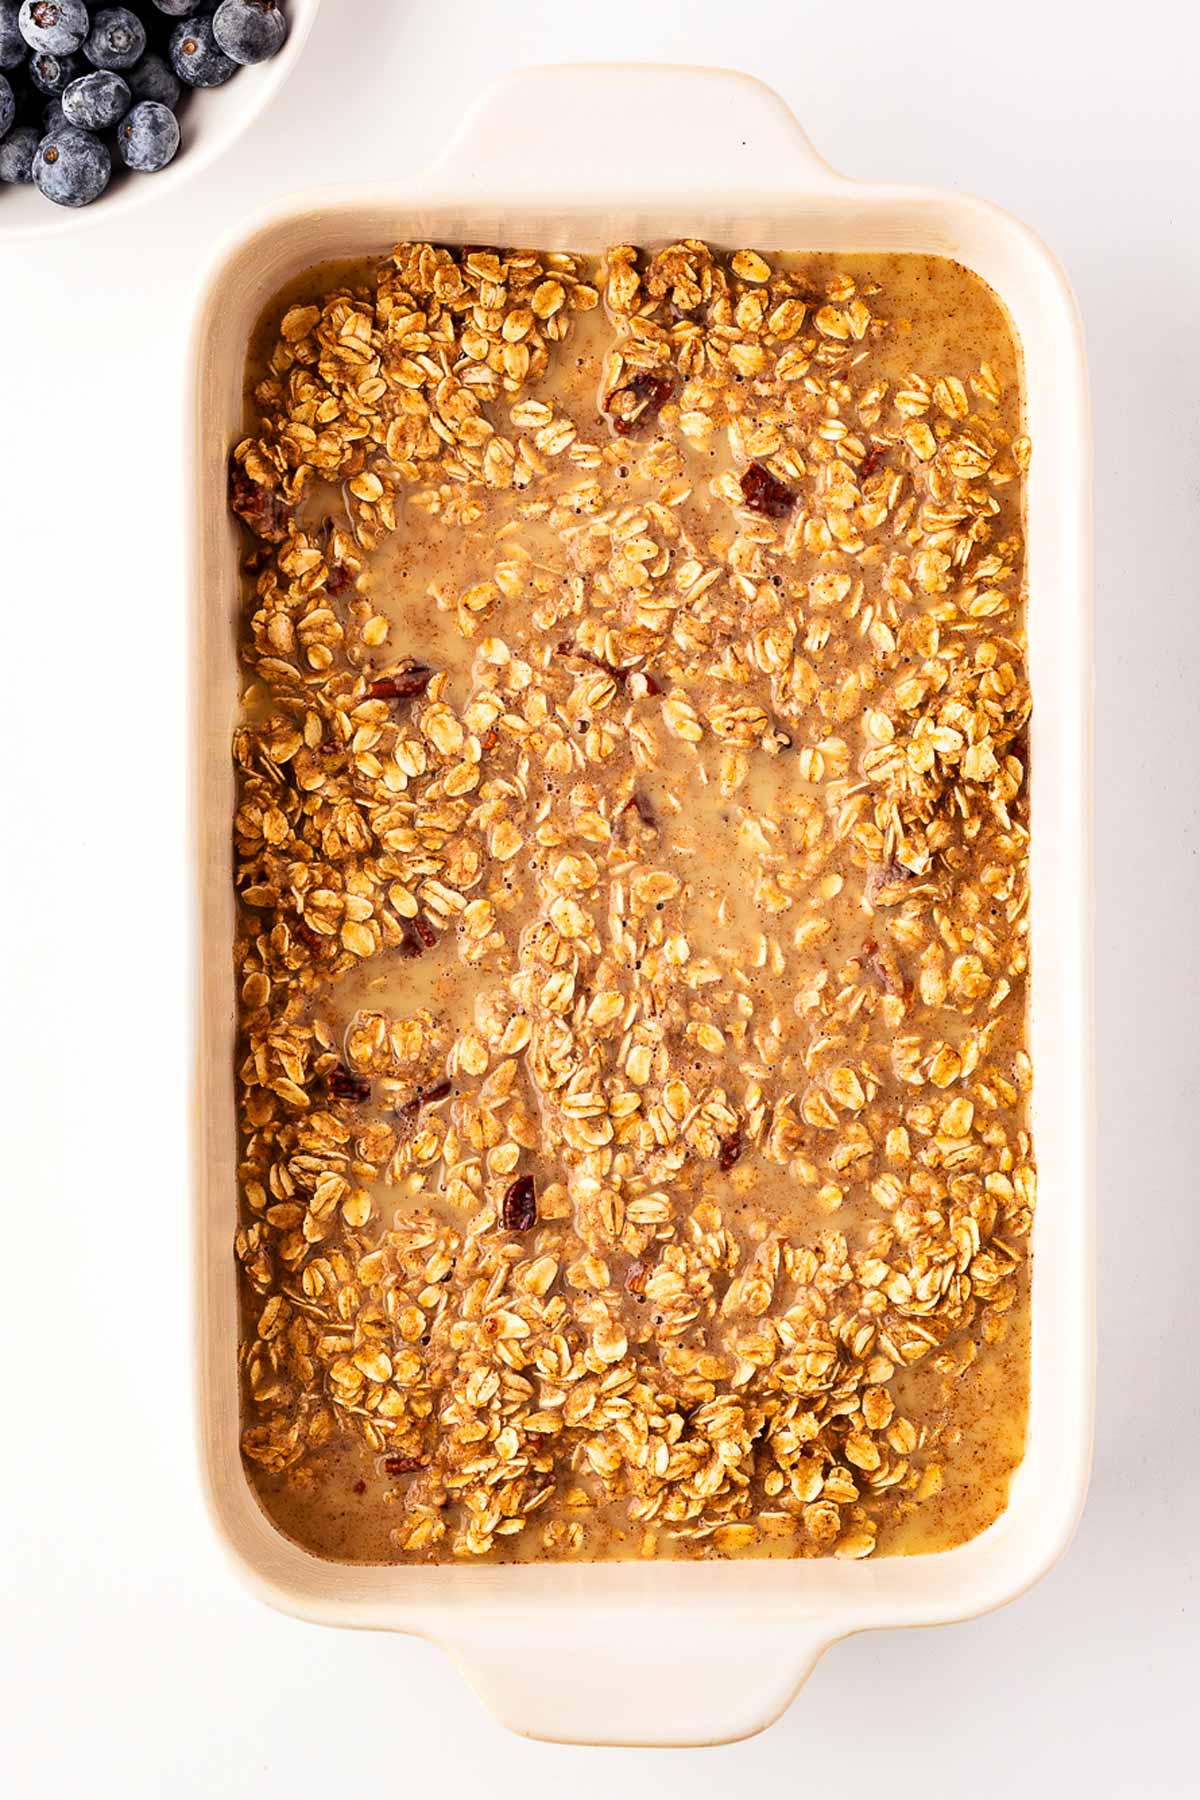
<point x="638" y="1680"/>
<point x="612" y="132"/>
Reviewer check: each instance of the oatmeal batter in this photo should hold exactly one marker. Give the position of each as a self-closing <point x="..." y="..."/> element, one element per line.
<point x="631" y="852"/>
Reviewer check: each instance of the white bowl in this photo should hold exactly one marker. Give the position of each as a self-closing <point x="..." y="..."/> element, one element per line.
<point x="211" y="120"/>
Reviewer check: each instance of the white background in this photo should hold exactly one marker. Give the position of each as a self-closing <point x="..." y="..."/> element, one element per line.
<point x="137" y="1666"/>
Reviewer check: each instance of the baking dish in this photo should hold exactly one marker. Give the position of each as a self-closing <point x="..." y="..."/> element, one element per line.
<point x="575" y="158"/>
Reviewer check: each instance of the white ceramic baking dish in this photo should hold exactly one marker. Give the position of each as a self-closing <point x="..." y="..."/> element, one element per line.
<point x="575" y="158"/>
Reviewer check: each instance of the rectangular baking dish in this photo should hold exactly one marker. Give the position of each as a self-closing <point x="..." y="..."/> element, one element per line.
<point x="577" y="158"/>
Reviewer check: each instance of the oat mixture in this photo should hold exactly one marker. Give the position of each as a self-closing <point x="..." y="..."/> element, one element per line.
<point x="631" y="854"/>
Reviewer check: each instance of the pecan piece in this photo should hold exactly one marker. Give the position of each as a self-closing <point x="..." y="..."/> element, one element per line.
<point x="344" y="1084"/>
<point x="312" y="940"/>
<point x="883" y="878"/>
<point x="405" y="684"/>
<point x="419" y="936"/>
<point x="519" y="1207"/>
<point x="423" y="1097"/>
<point x="731" y="1150"/>
<point x="258" y="507"/>
<point x="871" y="461"/>
<point x="339" y="578"/>
<point x="650" y="394"/>
<point x="643" y="809"/>
<point x="764" y="493"/>
<point x="401" y="1465"/>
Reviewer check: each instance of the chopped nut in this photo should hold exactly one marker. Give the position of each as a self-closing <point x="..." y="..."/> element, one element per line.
<point x="520" y="1204"/>
<point x="405" y="684"/>
<point x="344" y="1085"/>
<point x="763" y="493"/>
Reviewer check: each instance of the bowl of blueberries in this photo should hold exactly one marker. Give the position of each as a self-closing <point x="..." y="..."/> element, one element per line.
<point x="96" y="99"/>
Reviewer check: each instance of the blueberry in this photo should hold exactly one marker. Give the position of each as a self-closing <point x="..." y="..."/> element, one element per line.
<point x="13" y="48"/>
<point x="53" y="74"/>
<point x="153" y="80"/>
<point x="72" y="167"/>
<point x="183" y="9"/>
<point x="97" y="101"/>
<point x="148" y="136"/>
<point x="117" y="39"/>
<point x="29" y="101"/>
<point x="249" y="30"/>
<point x="26" y="102"/>
<point x="53" y="118"/>
<point x="58" y="26"/>
<point x="195" y="56"/>
<point x="17" y="152"/>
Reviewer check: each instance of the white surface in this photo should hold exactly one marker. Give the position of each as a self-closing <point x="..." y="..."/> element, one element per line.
<point x="552" y="1649"/>
<point x="139" y="1668"/>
